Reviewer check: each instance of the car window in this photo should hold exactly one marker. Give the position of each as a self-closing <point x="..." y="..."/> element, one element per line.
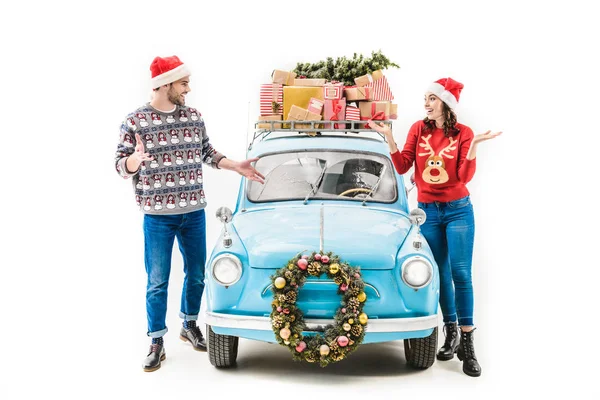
<point x="331" y="175"/>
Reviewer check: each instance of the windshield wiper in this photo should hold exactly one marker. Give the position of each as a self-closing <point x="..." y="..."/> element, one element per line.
<point x="315" y="186"/>
<point x="375" y="186"/>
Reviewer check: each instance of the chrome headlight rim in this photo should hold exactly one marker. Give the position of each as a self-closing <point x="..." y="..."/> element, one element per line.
<point x="410" y="260"/>
<point x="236" y="260"/>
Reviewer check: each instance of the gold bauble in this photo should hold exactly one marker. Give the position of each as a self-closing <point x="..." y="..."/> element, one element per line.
<point x="334" y="268"/>
<point x="350" y="321"/>
<point x="324" y="350"/>
<point x="362" y="318"/>
<point x="280" y="283"/>
<point x="346" y="327"/>
<point x="362" y="296"/>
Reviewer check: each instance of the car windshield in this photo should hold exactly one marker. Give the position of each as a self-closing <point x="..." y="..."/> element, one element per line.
<point x="346" y="176"/>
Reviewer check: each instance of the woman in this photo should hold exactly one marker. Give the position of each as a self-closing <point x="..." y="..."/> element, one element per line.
<point x="443" y="152"/>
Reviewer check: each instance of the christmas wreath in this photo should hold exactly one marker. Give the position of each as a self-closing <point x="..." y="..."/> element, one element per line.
<point x="338" y="339"/>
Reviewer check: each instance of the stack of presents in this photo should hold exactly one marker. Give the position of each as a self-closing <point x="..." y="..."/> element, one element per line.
<point x="292" y="98"/>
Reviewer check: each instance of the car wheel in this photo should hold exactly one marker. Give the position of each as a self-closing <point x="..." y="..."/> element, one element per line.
<point x="420" y="353"/>
<point x="222" y="349"/>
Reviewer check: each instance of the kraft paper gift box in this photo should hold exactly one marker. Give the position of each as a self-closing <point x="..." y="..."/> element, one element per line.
<point x="335" y="110"/>
<point x="393" y="111"/>
<point x="301" y="114"/>
<point x="271" y="99"/>
<point x="368" y="78"/>
<point x="283" y="77"/>
<point x="315" y="105"/>
<point x="375" y="110"/>
<point x="309" y="82"/>
<point x="353" y="93"/>
<point x="267" y="125"/>
<point x="299" y="96"/>
<point x="333" y="91"/>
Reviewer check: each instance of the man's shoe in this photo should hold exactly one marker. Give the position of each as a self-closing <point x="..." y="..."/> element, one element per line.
<point x="466" y="354"/>
<point x="156" y="355"/>
<point x="447" y="351"/>
<point x="194" y="336"/>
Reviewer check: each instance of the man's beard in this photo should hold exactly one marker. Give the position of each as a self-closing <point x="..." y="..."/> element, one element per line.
<point x="175" y="98"/>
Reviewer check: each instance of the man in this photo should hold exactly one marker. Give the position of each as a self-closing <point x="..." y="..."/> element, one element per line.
<point x="162" y="147"/>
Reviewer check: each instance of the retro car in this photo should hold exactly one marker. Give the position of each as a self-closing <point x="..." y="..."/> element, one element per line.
<point x="337" y="192"/>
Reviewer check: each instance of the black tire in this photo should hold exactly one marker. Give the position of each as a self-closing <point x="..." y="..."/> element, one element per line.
<point x="420" y="353"/>
<point x="222" y="349"/>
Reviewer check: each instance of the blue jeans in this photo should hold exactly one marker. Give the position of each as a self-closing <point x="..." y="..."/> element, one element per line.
<point x="450" y="231"/>
<point x="160" y="232"/>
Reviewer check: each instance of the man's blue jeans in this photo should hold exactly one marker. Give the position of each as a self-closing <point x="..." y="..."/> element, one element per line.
<point x="160" y="232"/>
<point x="450" y="232"/>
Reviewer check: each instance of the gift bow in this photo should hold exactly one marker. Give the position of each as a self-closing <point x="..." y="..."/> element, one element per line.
<point x="335" y="108"/>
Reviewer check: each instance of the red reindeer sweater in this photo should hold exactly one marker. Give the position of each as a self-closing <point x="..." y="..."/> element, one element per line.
<point x="442" y="170"/>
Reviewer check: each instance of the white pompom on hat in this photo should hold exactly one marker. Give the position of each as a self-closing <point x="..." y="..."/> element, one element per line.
<point x="167" y="70"/>
<point x="447" y="89"/>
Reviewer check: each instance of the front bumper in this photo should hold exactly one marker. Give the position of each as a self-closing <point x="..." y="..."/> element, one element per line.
<point x="377" y="330"/>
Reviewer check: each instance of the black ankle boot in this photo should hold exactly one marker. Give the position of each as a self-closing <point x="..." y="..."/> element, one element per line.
<point x="447" y="351"/>
<point x="155" y="356"/>
<point x="466" y="354"/>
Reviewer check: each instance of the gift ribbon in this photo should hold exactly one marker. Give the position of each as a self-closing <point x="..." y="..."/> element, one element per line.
<point x="335" y="109"/>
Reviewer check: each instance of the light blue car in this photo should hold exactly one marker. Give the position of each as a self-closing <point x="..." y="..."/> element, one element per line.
<point x="334" y="193"/>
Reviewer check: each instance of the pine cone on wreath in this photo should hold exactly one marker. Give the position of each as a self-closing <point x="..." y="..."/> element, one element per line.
<point x="353" y="303"/>
<point x="314" y="268"/>
<point x="277" y="321"/>
<point x="338" y="280"/>
<point x="290" y="297"/>
<point x="356" y="330"/>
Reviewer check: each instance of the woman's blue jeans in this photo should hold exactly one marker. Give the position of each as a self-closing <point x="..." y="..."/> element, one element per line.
<point x="160" y="232"/>
<point x="450" y="231"/>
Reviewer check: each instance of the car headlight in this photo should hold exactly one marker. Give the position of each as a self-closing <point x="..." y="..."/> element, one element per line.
<point x="416" y="272"/>
<point x="227" y="269"/>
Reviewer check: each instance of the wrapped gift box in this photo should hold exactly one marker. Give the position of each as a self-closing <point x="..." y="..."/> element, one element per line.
<point x="393" y="111"/>
<point x="333" y="91"/>
<point x="283" y="77"/>
<point x="315" y="105"/>
<point x="380" y="90"/>
<point x="368" y="78"/>
<point x="353" y="93"/>
<point x="267" y="125"/>
<point x="309" y="82"/>
<point x="299" y="96"/>
<point x="271" y="99"/>
<point x="335" y="110"/>
<point x="300" y="114"/>
<point x="375" y="110"/>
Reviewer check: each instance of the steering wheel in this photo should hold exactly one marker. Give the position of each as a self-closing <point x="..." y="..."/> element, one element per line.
<point x="355" y="190"/>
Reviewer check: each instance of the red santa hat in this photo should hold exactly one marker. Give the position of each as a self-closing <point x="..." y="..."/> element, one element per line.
<point x="446" y="89"/>
<point x="167" y="70"/>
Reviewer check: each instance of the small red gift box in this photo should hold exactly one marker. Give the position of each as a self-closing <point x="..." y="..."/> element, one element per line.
<point x="335" y="110"/>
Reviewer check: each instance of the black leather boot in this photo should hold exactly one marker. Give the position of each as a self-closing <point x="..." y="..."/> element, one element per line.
<point x="194" y="336"/>
<point x="155" y="356"/>
<point x="447" y="351"/>
<point x="466" y="354"/>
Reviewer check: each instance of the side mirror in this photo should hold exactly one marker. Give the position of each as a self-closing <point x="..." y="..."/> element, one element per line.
<point x="225" y="215"/>
<point x="417" y="218"/>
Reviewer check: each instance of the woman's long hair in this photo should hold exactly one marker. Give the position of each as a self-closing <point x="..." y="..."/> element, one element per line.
<point x="450" y="128"/>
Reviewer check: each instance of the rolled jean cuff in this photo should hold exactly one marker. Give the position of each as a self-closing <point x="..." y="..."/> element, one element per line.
<point x="188" y="317"/>
<point x="449" y="318"/>
<point x="158" y="334"/>
<point x="465" y="321"/>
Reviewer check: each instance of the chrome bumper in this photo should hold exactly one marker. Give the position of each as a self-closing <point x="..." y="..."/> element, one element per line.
<point x="374" y="325"/>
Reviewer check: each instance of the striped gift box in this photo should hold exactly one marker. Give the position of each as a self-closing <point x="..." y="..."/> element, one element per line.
<point x="381" y="90"/>
<point x="271" y="99"/>
<point x="352" y="113"/>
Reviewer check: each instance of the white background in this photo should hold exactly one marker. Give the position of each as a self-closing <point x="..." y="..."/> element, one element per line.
<point x="73" y="284"/>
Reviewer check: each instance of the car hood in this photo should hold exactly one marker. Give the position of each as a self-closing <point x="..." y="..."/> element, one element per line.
<point x="363" y="237"/>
